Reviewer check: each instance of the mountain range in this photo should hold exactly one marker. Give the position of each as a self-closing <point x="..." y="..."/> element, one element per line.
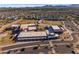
<point x="40" y="5"/>
<point x="64" y="6"/>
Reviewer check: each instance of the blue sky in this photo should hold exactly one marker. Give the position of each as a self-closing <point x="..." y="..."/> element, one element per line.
<point x="27" y="5"/>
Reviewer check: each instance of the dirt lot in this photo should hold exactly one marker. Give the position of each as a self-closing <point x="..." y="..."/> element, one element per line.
<point x="54" y="22"/>
<point x="5" y="38"/>
<point x="45" y="22"/>
<point x="41" y="50"/>
<point x="26" y="21"/>
<point x="63" y="49"/>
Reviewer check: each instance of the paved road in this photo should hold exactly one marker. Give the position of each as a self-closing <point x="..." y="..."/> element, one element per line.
<point x="7" y="25"/>
<point x="63" y="49"/>
<point x="23" y="45"/>
<point x="76" y="25"/>
<point x="70" y="24"/>
<point x="37" y="43"/>
<point x="75" y="32"/>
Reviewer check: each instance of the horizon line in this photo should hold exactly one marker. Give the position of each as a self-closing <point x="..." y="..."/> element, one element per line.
<point x="31" y="5"/>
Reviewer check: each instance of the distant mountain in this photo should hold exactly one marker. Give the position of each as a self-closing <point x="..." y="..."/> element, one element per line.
<point x="74" y="5"/>
<point x="46" y="6"/>
<point x="62" y="6"/>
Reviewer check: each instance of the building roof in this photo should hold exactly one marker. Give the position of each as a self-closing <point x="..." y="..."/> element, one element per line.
<point x="32" y="34"/>
<point x="55" y="27"/>
<point x="50" y="29"/>
<point x="15" y="25"/>
<point x="32" y="28"/>
<point x="26" y="25"/>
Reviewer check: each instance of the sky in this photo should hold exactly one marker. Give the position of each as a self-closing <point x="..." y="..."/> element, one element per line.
<point x="29" y="5"/>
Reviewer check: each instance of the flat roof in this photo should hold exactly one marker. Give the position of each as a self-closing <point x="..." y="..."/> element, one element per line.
<point x="55" y="27"/>
<point x="15" y="25"/>
<point x="32" y="34"/>
<point x="32" y="28"/>
<point x="26" y="25"/>
<point x="50" y="29"/>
